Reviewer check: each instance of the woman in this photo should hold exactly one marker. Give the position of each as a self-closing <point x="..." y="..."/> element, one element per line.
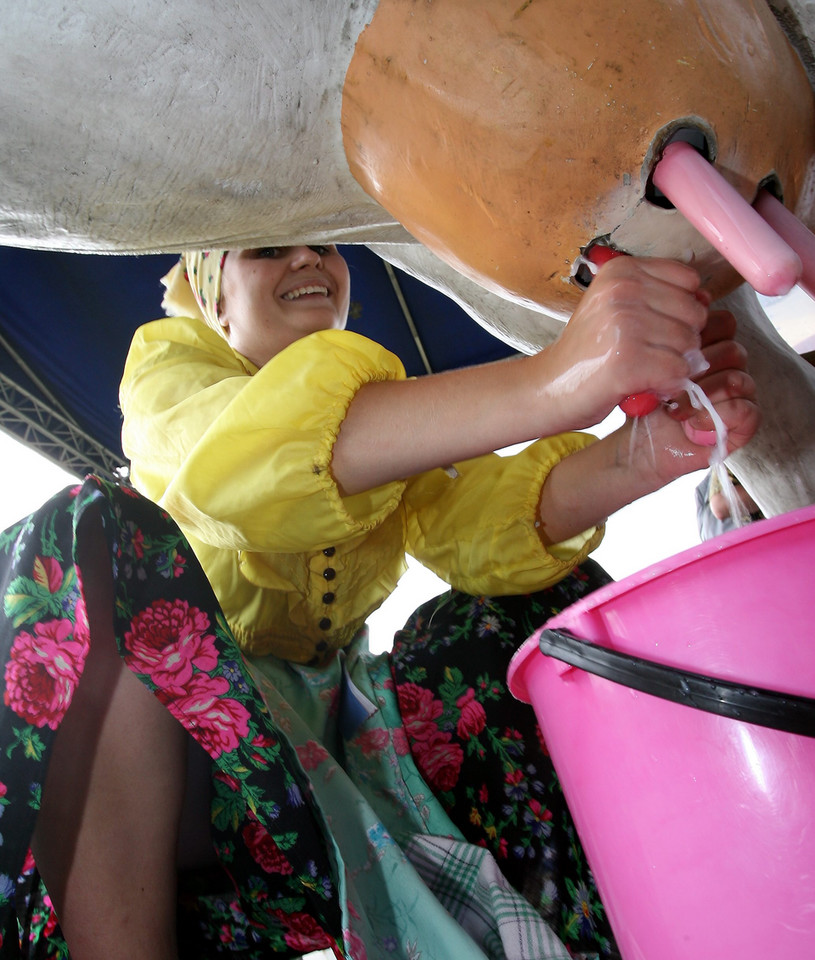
<point x="300" y="463"/>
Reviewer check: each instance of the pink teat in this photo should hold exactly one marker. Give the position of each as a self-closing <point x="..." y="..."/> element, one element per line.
<point x="726" y="220"/>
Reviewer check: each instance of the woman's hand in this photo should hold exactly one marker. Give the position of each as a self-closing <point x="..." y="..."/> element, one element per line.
<point x="683" y="436"/>
<point x="638" y="459"/>
<point x="636" y="330"/>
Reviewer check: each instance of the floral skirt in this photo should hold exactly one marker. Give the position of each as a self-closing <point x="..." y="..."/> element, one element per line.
<point x="399" y="805"/>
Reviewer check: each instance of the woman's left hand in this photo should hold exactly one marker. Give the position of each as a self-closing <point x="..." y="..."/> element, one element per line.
<point x="683" y="435"/>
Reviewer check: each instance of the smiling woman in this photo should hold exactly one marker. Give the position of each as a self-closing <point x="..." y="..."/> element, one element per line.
<point x="302" y="465"/>
<point x="272" y="296"/>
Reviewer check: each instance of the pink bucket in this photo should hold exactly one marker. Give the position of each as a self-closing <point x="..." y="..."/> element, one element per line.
<point x="683" y="733"/>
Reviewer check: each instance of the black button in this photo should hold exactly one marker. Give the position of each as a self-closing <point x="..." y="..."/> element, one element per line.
<point x="328" y="597"/>
<point x="324" y="624"/>
<point x="322" y="645"/>
<point x="329" y="551"/>
<point x="329" y="573"/>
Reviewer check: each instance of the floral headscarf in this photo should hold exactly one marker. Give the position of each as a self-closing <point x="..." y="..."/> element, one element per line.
<point x="194" y="287"/>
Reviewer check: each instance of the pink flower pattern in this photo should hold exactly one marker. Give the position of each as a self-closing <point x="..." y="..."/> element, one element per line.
<point x="43" y="672"/>
<point x="473" y="717"/>
<point x="221" y="722"/>
<point x="439" y="759"/>
<point x="303" y="933"/>
<point x="264" y="850"/>
<point x="312" y="754"/>
<point x="373" y="741"/>
<point x="168" y="640"/>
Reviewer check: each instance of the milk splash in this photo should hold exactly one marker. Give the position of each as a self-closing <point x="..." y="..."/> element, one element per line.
<point x="699" y="400"/>
<point x="640" y="423"/>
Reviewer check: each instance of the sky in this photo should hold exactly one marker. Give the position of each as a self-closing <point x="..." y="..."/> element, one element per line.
<point x="27" y="480"/>
<point x="650" y="530"/>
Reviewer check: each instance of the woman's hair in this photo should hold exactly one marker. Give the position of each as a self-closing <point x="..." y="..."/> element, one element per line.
<point x="194" y="287"/>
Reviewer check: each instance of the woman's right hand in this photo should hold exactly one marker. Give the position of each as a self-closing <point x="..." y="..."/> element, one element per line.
<point x="630" y="333"/>
<point x="634" y="331"/>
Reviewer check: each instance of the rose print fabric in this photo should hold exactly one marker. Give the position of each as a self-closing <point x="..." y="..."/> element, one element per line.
<point x="482" y="753"/>
<point x="172" y="634"/>
<point x="380" y="806"/>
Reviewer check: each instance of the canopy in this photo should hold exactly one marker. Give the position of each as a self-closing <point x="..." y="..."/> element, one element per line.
<point x="66" y="321"/>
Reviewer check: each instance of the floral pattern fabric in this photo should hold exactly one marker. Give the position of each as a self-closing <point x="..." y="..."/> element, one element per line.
<point x="173" y="635"/>
<point x="361" y="806"/>
<point x="483" y="754"/>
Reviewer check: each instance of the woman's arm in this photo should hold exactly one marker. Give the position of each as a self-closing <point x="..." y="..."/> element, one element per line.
<point x="590" y="485"/>
<point x="631" y="332"/>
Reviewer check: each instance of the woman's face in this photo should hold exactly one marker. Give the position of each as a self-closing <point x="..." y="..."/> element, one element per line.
<point x="273" y="296"/>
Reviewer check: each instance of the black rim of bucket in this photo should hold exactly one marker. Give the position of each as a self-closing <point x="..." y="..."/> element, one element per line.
<point x="768" y="708"/>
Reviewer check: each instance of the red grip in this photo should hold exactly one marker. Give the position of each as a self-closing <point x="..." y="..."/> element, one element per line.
<point x="639" y="404"/>
<point x="599" y="253"/>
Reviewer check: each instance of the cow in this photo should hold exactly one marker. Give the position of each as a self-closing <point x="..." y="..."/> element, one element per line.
<point x="482" y="145"/>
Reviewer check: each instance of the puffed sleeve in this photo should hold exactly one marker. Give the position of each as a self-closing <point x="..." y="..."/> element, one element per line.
<point x="239" y="456"/>
<point x="478" y="530"/>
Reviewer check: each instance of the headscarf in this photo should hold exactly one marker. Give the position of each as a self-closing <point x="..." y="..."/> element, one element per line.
<point x="194" y="287"/>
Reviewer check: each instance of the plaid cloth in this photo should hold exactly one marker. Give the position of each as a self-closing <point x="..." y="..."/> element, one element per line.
<point x="471" y="888"/>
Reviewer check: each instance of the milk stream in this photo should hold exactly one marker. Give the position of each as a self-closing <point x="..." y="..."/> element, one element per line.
<point x="640" y="423"/>
<point x="700" y="401"/>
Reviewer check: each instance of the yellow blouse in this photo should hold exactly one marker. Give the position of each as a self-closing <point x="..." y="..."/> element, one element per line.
<point x="241" y="458"/>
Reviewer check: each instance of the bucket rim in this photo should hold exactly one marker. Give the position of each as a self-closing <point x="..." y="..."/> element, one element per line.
<point x="524" y="656"/>
<point x="777" y="710"/>
<point x="716" y="546"/>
